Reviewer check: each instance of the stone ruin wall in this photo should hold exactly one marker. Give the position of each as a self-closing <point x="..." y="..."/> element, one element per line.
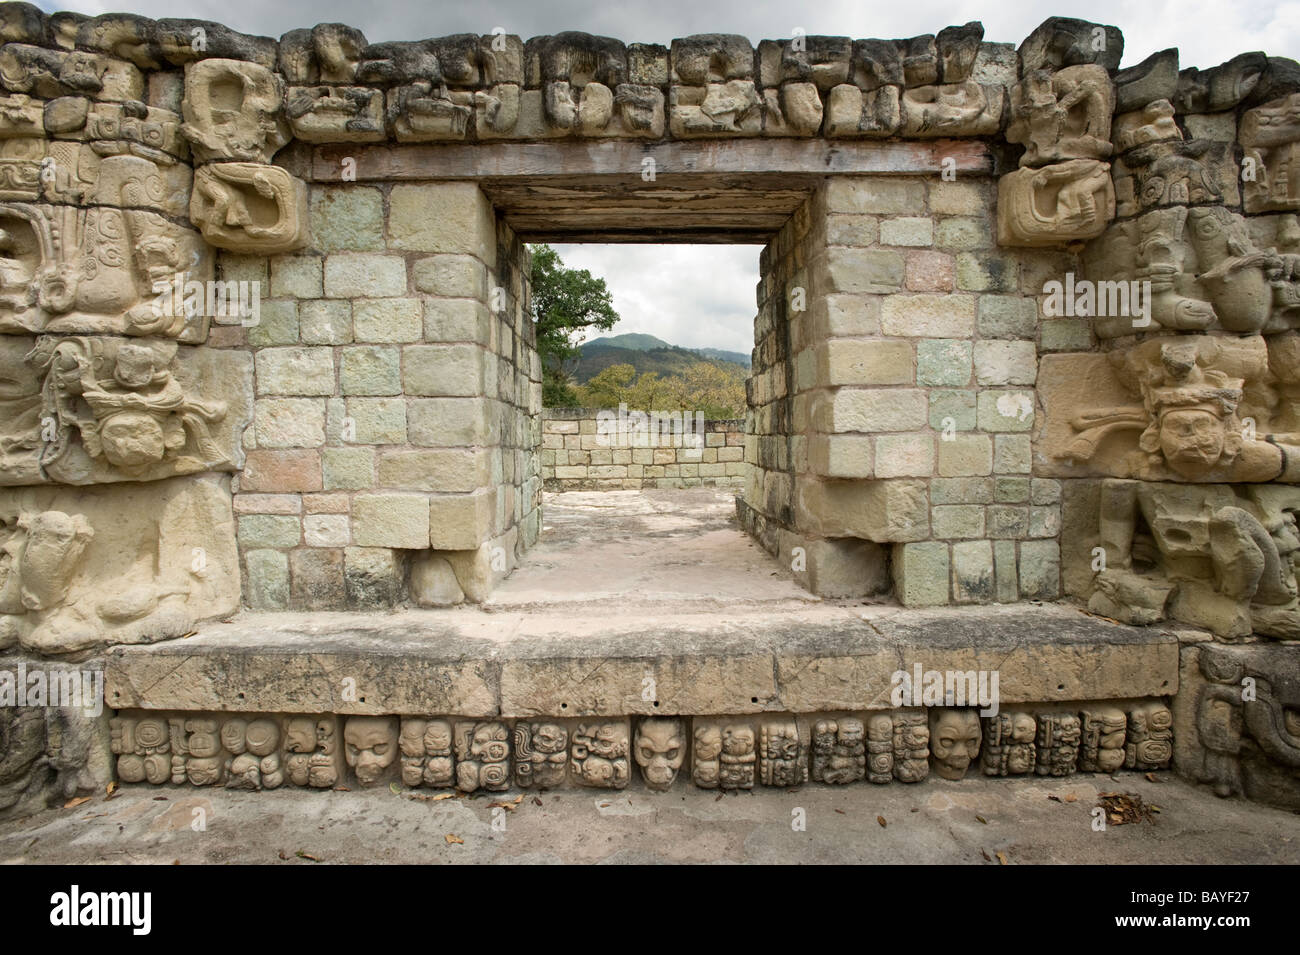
<point x="581" y="451"/>
<point x="924" y="419"/>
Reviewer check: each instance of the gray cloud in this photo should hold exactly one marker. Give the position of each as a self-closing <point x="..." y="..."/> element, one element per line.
<point x="1207" y="31"/>
<point x="696" y="296"/>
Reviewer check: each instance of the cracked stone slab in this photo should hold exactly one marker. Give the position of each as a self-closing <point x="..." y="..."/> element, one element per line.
<point x="465" y="662"/>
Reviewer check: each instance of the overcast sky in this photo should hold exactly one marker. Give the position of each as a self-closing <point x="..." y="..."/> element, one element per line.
<point x="704" y="295"/>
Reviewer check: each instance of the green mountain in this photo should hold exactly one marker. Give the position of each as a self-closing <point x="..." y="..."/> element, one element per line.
<point x="633" y="340"/>
<point x="647" y="353"/>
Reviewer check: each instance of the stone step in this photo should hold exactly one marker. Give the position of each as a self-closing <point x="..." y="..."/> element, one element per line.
<point x="471" y="663"/>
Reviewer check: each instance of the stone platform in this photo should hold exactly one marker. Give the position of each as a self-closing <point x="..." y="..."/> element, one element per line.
<point x="515" y="665"/>
<point x="625" y="588"/>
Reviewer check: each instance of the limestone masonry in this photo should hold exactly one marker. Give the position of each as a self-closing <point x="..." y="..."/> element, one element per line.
<point x="1028" y="329"/>
<point x="583" y="449"/>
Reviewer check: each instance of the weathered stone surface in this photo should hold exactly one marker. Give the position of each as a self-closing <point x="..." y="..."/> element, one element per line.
<point x="833" y="661"/>
<point x="173" y="543"/>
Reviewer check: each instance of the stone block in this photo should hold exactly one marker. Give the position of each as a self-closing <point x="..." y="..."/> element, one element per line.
<point x="928" y="316"/>
<point x="943" y="361"/>
<point x="359" y="275"/>
<point x="965" y="455"/>
<point x="442" y="217"/>
<point x="444" y="370"/>
<point x="904" y="455"/>
<point x="391" y="519"/>
<point x="348" y="469"/>
<point x="370" y="370"/>
<point x="347" y="218"/>
<point x="387" y="320"/>
<point x="921" y="573"/>
<point x="325" y="322"/>
<point x="295" y="371"/>
<point x="1040" y="570"/>
<point x="855" y="362"/>
<point x="266" y="579"/>
<point x="972" y="572"/>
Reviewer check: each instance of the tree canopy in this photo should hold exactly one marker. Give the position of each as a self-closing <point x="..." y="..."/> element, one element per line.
<point x="566" y="303"/>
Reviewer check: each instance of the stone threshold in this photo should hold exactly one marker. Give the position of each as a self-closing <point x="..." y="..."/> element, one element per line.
<point x="470" y="663"/>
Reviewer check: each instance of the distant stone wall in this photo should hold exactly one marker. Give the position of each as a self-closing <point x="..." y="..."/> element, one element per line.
<point x="578" y="456"/>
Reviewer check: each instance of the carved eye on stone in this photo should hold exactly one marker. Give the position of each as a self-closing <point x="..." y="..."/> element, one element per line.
<point x="671" y="754"/>
<point x="150" y="733"/>
<point x="380" y="749"/>
<point x="1207" y="227"/>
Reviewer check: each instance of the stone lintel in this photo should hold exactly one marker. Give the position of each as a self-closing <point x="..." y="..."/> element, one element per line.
<point x="746" y="157"/>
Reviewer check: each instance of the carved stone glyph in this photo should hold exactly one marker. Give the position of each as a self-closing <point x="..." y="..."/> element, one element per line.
<point x="233" y="111"/>
<point x="1009" y="748"/>
<point x="541" y="755"/>
<point x="1270" y="137"/>
<point x="1101" y="746"/>
<point x="1067" y="202"/>
<point x="1057" y="743"/>
<point x="599" y="756"/>
<point x="482" y="756"/>
<point x="660" y="750"/>
<point x="83" y="410"/>
<point x="954" y="740"/>
<point x="370" y="747"/>
<point x="97" y="270"/>
<point x="1149" y="742"/>
<point x="426" y="746"/>
<point x="781" y="755"/>
<point x="250" y="207"/>
<point x="132" y="563"/>
<point x="838" y="751"/>
<point x="911" y="745"/>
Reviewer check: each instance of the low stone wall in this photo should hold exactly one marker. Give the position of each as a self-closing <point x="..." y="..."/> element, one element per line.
<point x="578" y="455"/>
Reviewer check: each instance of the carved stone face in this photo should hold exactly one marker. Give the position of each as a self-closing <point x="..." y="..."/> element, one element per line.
<point x="708" y="742"/>
<point x="1022" y="728"/>
<point x="412" y="738"/>
<point x="738" y="740"/>
<point x="371" y="746"/>
<point x="1192" y="440"/>
<point x="134" y="366"/>
<point x="550" y="739"/>
<point x="437" y="737"/>
<point x="954" y="741"/>
<point x="660" y="749"/>
<point x="132" y="440"/>
<point x="300" y="736"/>
<point x="489" y="743"/>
